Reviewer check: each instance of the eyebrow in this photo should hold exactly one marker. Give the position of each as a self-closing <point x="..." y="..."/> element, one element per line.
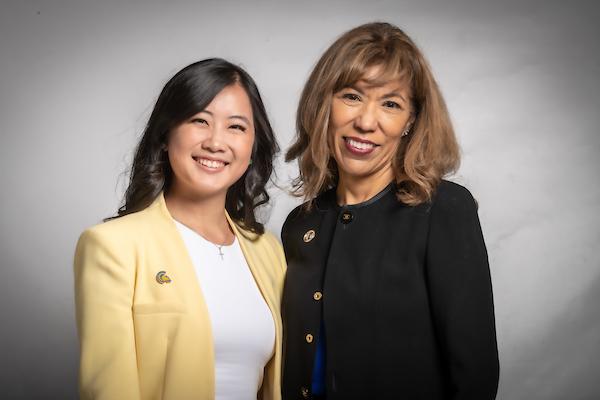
<point x="393" y="94"/>
<point x="353" y="86"/>
<point x="246" y="120"/>
<point x="385" y="96"/>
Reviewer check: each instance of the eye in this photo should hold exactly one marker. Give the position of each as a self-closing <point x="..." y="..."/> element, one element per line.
<point x="238" y="127"/>
<point x="392" y="104"/>
<point x="200" y="121"/>
<point x="351" y="97"/>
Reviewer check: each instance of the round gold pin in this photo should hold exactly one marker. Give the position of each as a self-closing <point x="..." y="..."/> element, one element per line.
<point x="309" y="235"/>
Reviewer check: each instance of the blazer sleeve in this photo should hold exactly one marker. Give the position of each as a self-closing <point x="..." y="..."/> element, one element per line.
<point x="460" y="293"/>
<point x="104" y="287"/>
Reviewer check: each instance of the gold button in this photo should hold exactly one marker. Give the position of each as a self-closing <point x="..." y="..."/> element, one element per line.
<point x="308" y="236"/>
<point x="317" y="296"/>
<point x="309" y="338"/>
<point x="304" y="392"/>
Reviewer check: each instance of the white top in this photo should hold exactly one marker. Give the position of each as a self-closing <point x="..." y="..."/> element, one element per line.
<point x="243" y="329"/>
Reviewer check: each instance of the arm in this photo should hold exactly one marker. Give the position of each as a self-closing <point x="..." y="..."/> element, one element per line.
<point x="104" y="286"/>
<point x="460" y="293"/>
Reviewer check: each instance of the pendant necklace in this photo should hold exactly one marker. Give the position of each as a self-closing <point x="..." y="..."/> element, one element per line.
<point x="220" y="247"/>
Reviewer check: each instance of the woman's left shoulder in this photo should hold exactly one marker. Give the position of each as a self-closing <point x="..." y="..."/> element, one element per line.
<point x="275" y="262"/>
<point x="265" y="245"/>
<point x="452" y="196"/>
<point x="265" y="239"/>
<point x="269" y="239"/>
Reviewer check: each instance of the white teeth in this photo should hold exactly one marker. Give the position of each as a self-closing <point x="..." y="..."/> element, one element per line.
<point x="360" y="145"/>
<point x="211" y="163"/>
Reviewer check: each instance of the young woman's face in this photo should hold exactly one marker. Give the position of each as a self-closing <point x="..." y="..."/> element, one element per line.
<point x="209" y="152"/>
<point x="365" y="127"/>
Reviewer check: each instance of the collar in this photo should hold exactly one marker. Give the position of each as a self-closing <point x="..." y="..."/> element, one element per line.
<point x="328" y="200"/>
<point x="159" y="206"/>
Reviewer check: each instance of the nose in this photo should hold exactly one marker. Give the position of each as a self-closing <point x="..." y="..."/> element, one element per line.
<point x="366" y="120"/>
<point x="214" y="142"/>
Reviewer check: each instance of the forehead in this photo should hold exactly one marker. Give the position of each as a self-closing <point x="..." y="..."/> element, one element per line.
<point x="378" y="77"/>
<point x="232" y="96"/>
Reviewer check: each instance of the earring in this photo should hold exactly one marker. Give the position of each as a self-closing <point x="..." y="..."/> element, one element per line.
<point x="406" y="132"/>
<point x="250" y="162"/>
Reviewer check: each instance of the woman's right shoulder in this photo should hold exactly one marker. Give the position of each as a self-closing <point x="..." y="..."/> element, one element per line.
<point x="310" y="208"/>
<point x="297" y="215"/>
<point x="119" y="230"/>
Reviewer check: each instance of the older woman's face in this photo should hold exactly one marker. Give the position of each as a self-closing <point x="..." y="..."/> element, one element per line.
<point x="366" y="126"/>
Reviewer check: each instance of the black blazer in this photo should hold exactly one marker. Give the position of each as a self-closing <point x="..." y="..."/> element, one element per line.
<point x="404" y="293"/>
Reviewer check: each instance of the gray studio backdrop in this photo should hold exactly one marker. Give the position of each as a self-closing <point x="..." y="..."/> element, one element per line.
<point x="78" y="80"/>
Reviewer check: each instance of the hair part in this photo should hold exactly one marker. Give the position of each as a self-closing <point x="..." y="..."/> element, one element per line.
<point x="188" y="92"/>
<point x="430" y="150"/>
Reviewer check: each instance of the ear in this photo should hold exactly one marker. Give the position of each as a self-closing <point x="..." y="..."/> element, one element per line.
<point x="409" y="125"/>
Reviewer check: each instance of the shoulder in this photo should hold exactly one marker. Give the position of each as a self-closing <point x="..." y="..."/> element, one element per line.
<point x="118" y="232"/>
<point x="297" y="213"/>
<point x="307" y="211"/>
<point x="454" y="208"/>
<point x="296" y="220"/>
<point x="267" y="239"/>
<point x="265" y="246"/>
<point x="452" y="197"/>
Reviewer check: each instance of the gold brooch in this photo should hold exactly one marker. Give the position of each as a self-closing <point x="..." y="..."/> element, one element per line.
<point x="309" y="235"/>
<point x="162" y="277"/>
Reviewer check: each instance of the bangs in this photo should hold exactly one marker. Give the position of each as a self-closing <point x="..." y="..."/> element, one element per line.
<point x="376" y="66"/>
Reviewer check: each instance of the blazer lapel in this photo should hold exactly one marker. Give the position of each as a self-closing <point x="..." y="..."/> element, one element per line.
<point x="182" y="265"/>
<point x="254" y="260"/>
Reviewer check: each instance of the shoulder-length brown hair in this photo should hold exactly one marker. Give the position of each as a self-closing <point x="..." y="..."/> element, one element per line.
<point x="429" y="151"/>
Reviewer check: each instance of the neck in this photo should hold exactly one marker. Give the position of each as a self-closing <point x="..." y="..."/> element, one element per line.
<point x="353" y="190"/>
<point x="204" y="215"/>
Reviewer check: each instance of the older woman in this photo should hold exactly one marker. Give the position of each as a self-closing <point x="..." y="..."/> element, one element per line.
<point x="178" y="297"/>
<point x="388" y="292"/>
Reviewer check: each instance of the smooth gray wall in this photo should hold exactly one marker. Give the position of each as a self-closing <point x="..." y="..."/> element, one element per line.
<point x="521" y="78"/>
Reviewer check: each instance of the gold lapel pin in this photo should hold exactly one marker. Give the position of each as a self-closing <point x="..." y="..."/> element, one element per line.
<point x="309" y="235"/>
<point x="162" y="277"/>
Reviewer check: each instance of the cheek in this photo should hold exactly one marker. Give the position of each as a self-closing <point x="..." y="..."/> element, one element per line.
<point x="340" y="115"/>
<point x="244" y="146"/>
<point x="175" y="163"/>
<point x="393" y="145"/>
<point x="335" y="132"/>
<point x="174" y="151"/>
<point x="333" y="142"/>
<point x="393" y="132"/>
<point x="176" y="141"/>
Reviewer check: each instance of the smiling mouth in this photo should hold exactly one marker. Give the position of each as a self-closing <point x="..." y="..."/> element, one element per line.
<point x="359" y="147"/>
<point x="210" y="164"/>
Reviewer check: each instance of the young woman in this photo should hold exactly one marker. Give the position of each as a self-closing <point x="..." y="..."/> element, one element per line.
<point x="178" y="296"/>
<point x="388" y="292"/>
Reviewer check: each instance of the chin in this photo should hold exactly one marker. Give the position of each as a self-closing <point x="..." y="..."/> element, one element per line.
<point x="204" y="189"/>
<point x="354" y="168"/>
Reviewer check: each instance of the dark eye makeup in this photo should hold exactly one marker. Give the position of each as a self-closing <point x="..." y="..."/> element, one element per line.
<point x="198" y="120"/>
<point x="239" y="127"/>
<point x="351" y="96"/>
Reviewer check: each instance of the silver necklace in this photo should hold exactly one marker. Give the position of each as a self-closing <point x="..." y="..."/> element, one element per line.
<point x="220" y="247"/>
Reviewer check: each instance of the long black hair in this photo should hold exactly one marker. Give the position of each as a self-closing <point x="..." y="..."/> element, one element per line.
<point x="188" y="92"/>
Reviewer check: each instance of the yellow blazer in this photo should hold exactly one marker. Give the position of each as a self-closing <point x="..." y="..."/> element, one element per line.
<point x="141" y="339"/>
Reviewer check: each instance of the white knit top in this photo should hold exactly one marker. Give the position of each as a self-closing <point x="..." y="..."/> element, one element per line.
<point x="242" y="325"/>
